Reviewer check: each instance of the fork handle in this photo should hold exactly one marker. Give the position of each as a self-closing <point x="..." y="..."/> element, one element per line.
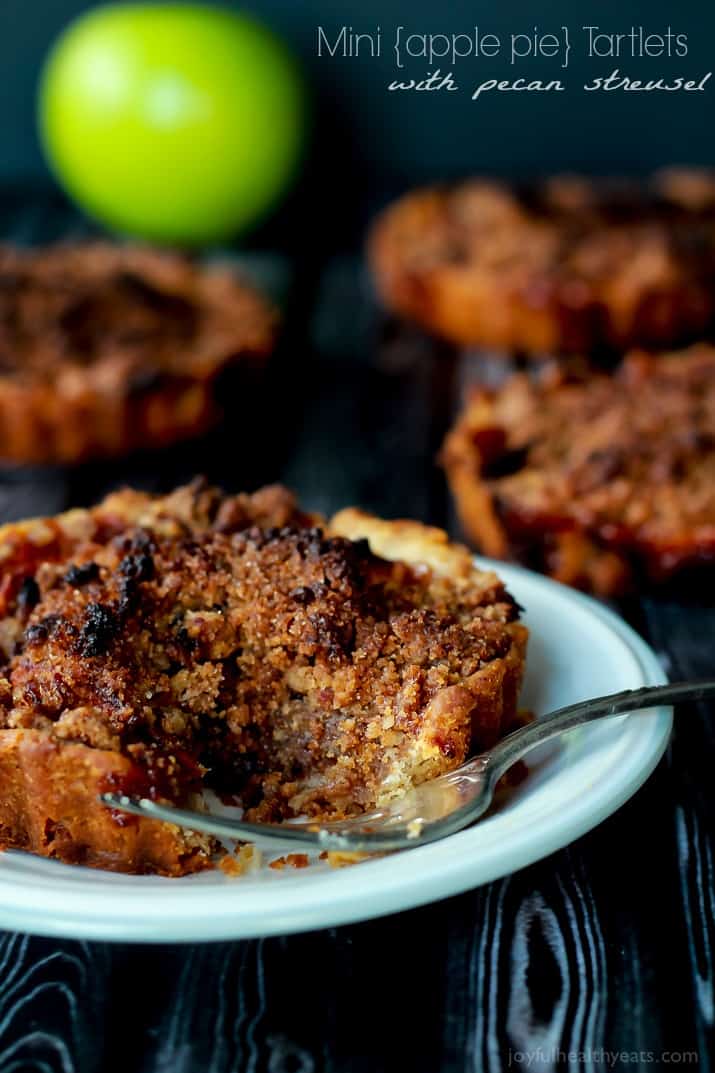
<point x="520" y="742"/>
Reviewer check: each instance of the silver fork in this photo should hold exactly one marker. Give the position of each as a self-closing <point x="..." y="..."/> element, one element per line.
<point x="432" y="810"/>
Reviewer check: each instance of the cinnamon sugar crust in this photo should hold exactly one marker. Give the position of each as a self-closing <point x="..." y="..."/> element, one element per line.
<point x="238" y="644"/>
<point x="597" y="480"/>
<point x="570" y="265"/>
<point x="107" y="349"/>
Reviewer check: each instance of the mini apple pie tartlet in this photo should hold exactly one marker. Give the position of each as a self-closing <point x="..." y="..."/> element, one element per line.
<point x="598" y="480"/>
<point x="108" y="349"/>
<point x="198" y="641"/>
<point x="571" y="265"/>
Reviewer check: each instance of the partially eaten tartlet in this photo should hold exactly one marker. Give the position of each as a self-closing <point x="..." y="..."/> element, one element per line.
<point x="165" y="646"/>
<point x="598" y="480"/>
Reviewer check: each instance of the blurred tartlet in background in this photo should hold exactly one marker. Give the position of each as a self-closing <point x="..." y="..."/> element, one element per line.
<point x="107" y="349"/>
<point x="602" y="480"/>
<point x="569" y="265"/>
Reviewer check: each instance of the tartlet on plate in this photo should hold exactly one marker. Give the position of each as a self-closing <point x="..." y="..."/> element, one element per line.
<point x="596" y="479"/>
<point x="568" y="265"/>
<point x="107" y="349"/>
<point x="165" y="646"/>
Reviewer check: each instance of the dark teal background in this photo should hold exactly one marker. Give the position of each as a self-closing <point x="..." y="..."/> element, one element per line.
<point x="369" y="139"/>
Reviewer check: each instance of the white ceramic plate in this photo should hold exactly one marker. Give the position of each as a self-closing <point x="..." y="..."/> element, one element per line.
<point x="578" y="649"/>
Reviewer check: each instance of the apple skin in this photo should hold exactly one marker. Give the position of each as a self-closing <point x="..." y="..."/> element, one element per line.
<point x="180" y="123"/>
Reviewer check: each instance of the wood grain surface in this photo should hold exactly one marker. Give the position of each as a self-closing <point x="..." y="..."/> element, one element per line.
<point x="598" y="958"/>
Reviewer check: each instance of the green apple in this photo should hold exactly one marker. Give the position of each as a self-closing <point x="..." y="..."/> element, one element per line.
<point x="175" y="122"/>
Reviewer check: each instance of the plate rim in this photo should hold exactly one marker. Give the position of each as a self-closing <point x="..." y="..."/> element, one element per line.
<point x="389" y="892"/>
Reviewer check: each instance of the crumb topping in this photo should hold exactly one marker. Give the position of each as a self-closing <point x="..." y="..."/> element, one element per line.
<point x="572" y="222"/>
<point x="125" y="313"/>
<point x="635" y="450"/>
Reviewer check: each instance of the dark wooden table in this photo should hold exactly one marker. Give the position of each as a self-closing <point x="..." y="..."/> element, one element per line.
<point x="602" y="948"/>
